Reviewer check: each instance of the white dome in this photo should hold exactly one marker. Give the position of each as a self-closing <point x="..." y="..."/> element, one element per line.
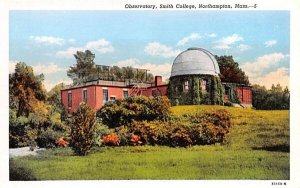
<point x="195" y="61"/>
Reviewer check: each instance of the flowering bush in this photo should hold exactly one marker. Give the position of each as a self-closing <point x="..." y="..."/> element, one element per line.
<point x="111" y="139"/>
<point x="61" y="142"/>
<point x="205" y="128"/>
<point x="135" y="139"/>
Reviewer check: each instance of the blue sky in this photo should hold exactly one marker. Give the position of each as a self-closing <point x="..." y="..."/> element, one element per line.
<point x="46" y="40"/>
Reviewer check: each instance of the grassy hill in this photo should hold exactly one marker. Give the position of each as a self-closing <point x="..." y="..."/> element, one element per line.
<point x="252" y="129"/>
<point x="257" y="147"/>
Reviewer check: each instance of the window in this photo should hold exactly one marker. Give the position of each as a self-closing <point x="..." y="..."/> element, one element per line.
<point x="186" y="86"/>
<point x="227" y="91"/>
<point x="69" y="100"/>
<point x="112" y="98"/>
<point x="84" y="95"/>
<point x="125" y="94"/>
<point x="203" y="85"/>
<point x="104" y="96"/>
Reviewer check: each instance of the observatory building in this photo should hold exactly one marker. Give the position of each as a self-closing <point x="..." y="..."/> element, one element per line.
<point x="194" y="80"/>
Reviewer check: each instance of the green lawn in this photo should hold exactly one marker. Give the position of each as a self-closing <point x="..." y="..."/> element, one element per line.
<point x="256" y="148"/>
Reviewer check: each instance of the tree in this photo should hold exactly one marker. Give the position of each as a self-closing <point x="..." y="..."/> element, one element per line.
<point x="54" y="99"/>
<point x="26" y="90"/>
<point x="83" y="129"/>
<point x="84" y="69"/>
<point x="230" y="71"/>
<point x="275" y="98"/>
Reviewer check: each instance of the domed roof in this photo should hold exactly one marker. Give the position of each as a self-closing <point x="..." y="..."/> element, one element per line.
<point x="195" y="61"/>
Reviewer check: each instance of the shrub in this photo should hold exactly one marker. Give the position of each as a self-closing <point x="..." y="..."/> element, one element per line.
<point x="205" y="128"/>
<point x="83" y="130"/>
<point x="19" y="172"/>
<point x="180" y="136"/>
<point x="100" y="131"/>
<point x="111" y="139"/>
<point x="135" y="139"/>
<point x="139" y="108"/>
<point x="18" y="129"/>
<point x="124" y="135"/>
<point x="47" y="138"/>
<point x="61" y="142"/>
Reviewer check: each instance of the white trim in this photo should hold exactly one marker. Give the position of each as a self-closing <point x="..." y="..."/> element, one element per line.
<point x="103" y="88"/>
<point x="69" y="91"/>
<point x="125" y="89"/>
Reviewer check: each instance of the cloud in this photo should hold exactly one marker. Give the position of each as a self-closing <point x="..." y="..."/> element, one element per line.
<point x="211" y="35"/>
<point x="191" y="37"/>
<point x="163" y="70"/>
<point x="226" y="42"/>
<point x="47" y="69"/>
<point x="157" y="49"/>
<point x="270" y="43"/>
<point x="259" y="70"/>
<point x="102" y="46"/>
<point x="279" y="76"/>
<point x="255" y="68"/>
<point x="243" y="47"/>
<point x="48" y="40"/>
<point x="128" y="62"/>
<point x="49" y="85"/>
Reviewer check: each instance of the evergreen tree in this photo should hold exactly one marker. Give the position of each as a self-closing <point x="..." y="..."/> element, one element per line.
<point x="84" y="69"/>
<point x="83" y="129"/>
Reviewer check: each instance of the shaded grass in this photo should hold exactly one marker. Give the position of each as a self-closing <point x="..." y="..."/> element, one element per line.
<point x="157" y="162"/>
<point x="245" y="155"/>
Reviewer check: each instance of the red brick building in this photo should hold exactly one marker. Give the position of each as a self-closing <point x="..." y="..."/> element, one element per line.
<point x="97" y="93"/>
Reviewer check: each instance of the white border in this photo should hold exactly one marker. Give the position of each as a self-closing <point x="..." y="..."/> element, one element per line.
<point x="292" y="5"/>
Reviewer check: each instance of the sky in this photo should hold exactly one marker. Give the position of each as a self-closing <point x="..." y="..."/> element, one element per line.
<point x="46" y="40"/>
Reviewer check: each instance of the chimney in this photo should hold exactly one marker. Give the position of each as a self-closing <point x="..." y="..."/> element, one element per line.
<point x="158" y="80"/>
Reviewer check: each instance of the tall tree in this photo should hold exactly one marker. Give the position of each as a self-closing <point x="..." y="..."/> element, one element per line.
<point x="84" y="69"/>
<point x="26" y="90"/>
<point x="230" y="71"/>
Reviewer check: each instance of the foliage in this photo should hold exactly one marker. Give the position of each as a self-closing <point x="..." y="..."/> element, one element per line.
<point x="26" y="91"/>
<point x="135" y="139"/>
<point x="61" y="142"/>
<point x="275" y="98"/>
<point x="123" y="112"/>
<point x="18" y="130"/>
<point x="100" y="131"/>
<point x="19" y="172"/>
<point x="54" y="99"/>
<point x="84" y="69"/>
<point x="207" y="128"/>
<point x="111" y="139"/>
<point x="30" y="113"/>
<point x="212" y="94"/>
<point x="232" y="93"/>
<point x="83" y="129"/>
<point x="48" y="138"/>
<point x="230" y="71"/>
